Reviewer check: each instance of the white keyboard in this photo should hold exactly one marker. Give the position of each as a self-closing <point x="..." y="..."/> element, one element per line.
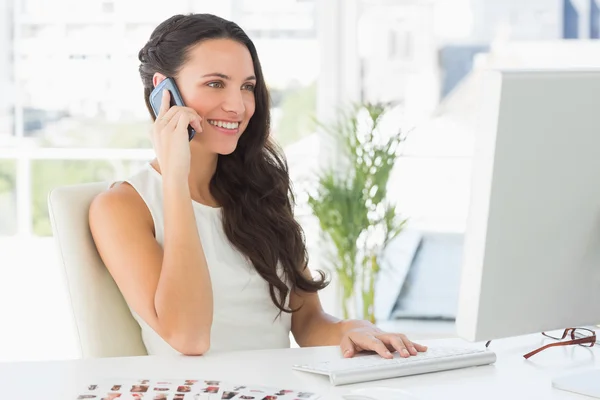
<point x="374" y="367"/>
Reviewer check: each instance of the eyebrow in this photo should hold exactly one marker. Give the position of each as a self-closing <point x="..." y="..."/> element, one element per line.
<point x="227" y="77"/>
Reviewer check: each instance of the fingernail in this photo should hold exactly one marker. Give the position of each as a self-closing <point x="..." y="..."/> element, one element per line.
<point x="413" y="349"/>
<point x="405" y="353"/>
<point x="346" y="353"/>
<point x="387" y="353"/>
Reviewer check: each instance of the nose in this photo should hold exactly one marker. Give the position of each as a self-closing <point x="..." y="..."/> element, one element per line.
<point x="234" y="103"/>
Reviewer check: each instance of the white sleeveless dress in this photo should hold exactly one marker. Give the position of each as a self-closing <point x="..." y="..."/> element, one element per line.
<point x="244" y="316"/>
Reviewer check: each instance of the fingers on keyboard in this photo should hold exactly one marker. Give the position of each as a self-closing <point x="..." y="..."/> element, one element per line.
<point x="398" y="344"/>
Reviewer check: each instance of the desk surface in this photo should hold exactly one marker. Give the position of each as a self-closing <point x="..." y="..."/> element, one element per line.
<point x="512" y="377"/>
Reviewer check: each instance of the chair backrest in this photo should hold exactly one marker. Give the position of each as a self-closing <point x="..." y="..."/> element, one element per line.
<point x="104" y="323"/>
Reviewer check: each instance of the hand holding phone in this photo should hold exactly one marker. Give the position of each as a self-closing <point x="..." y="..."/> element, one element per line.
<point x="170" y="138"/>
<point x="176" y="100"/>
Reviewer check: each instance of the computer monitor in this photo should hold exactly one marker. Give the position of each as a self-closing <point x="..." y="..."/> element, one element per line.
<point x="531" y="258"/>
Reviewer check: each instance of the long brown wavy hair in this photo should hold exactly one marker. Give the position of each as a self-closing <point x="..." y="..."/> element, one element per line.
<point x="252" y="184"/>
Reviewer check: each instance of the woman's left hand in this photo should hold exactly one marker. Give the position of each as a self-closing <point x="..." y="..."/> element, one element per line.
<point x="367" y="337"/>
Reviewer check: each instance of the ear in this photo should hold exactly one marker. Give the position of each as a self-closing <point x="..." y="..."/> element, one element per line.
<point x="158" y="78"/>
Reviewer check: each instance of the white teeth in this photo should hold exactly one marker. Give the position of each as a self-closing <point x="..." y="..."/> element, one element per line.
<point x="226" y="125"/>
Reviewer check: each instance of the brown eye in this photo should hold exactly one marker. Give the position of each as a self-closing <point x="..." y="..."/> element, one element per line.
<point x="216" y="85"/>
<point x="249" y="86"/>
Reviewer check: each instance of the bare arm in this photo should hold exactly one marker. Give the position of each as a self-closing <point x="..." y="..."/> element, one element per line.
<point x="311" y="326"/>
<point x="169" y="288"/>
<point x="184" y="298"/>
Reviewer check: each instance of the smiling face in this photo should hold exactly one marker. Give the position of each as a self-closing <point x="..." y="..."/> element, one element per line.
<point x="218" y="81"/>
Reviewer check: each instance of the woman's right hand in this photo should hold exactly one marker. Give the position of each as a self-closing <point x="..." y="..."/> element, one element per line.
<point x="170" y="137"/>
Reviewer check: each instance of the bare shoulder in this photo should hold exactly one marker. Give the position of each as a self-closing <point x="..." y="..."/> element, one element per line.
<point x="121" y="203"/>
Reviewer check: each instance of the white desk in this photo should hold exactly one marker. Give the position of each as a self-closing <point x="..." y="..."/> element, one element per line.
<point x="512" y="377"/>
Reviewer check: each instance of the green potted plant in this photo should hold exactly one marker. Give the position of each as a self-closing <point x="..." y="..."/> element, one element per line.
<point x="350" y="202"/>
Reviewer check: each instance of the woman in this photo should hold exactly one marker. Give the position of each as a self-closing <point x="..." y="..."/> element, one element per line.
<point x="202" y="242"/>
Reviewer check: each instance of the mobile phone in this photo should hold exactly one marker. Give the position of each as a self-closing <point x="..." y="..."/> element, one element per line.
<point x="176" y="99"/>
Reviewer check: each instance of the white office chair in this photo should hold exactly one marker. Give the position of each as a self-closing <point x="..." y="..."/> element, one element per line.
<point x="104" y="323"/>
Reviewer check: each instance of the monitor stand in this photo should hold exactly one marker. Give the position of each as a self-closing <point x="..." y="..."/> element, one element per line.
<point x="586" y="383"/>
